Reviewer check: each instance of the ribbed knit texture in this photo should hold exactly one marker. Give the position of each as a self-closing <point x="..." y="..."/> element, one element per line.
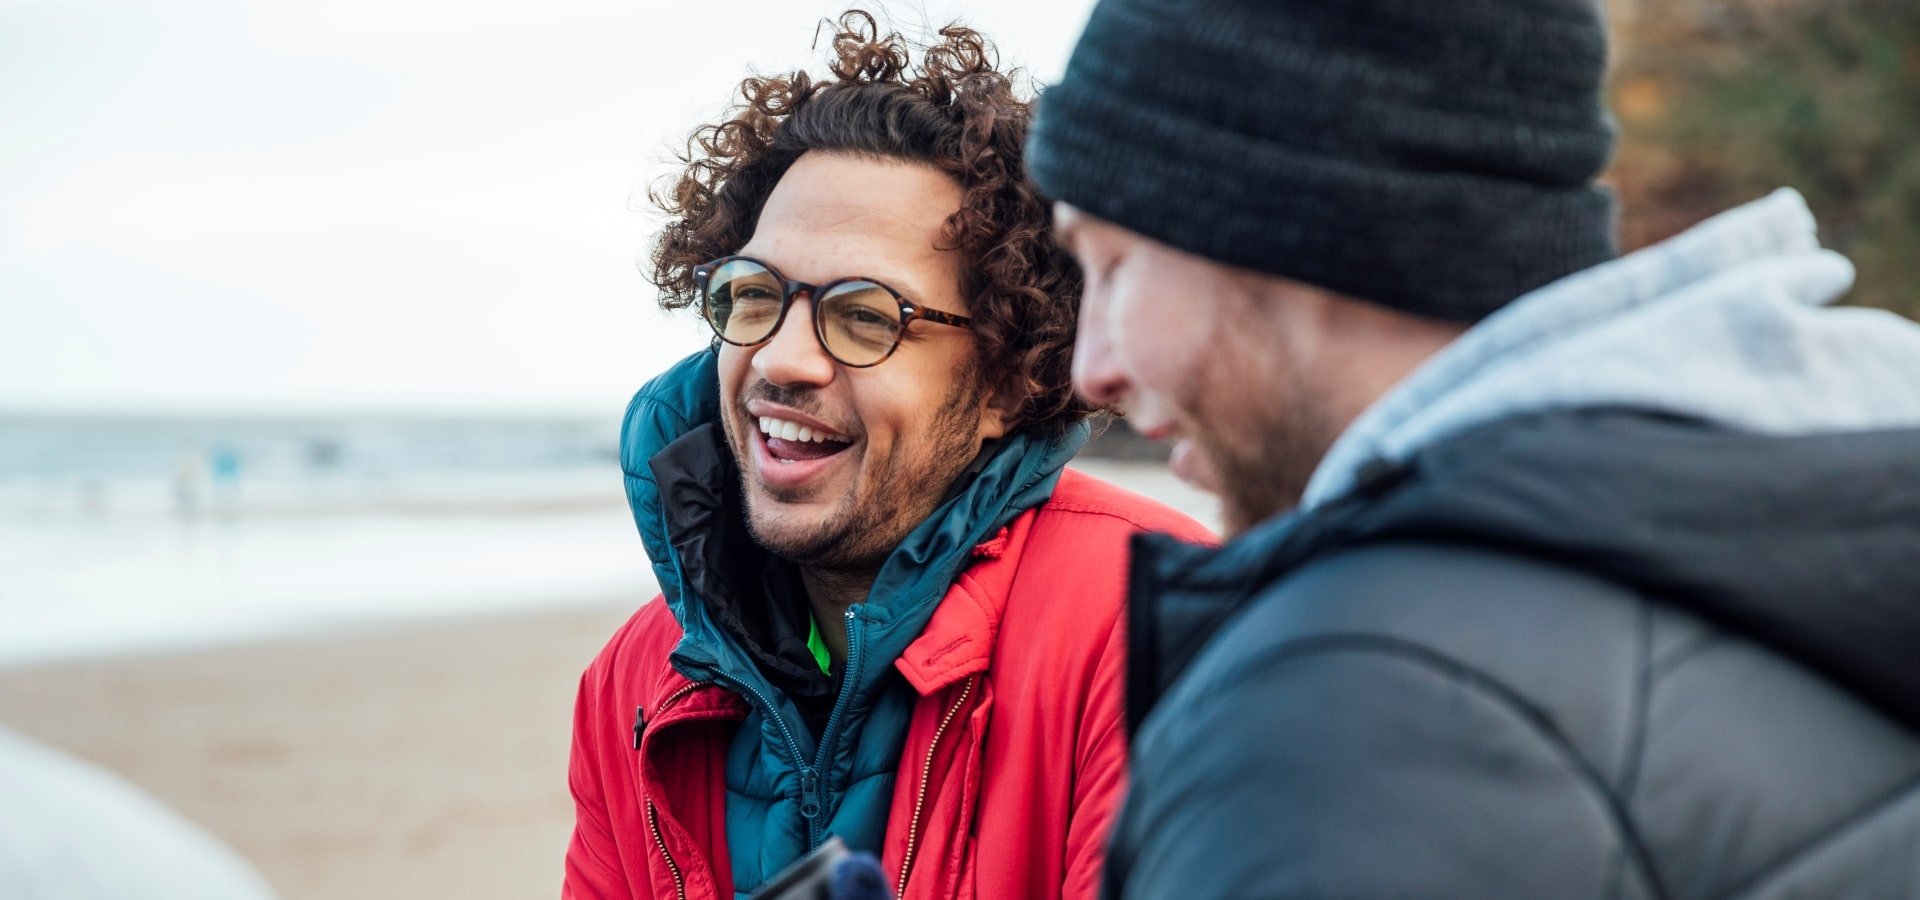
<point x="1433" y="157"/>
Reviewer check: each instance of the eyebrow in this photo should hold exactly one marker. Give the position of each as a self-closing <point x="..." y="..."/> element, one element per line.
<point x="907" y="287"/>
<point x="910" y="288"/>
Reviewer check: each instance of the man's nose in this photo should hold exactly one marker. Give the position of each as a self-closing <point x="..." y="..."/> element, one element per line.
<point x="1097" y="375"/>
<point x="793" y="354"/>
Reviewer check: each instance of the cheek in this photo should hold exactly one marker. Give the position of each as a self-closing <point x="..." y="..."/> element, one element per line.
<point x="881" y="403"/>
<point x="732" y="366"/>
<point x="1155" y="333"/>
<point x="906" y="411"/>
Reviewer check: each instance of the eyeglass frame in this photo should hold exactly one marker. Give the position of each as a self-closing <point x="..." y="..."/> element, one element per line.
<point x="910" y="311"/>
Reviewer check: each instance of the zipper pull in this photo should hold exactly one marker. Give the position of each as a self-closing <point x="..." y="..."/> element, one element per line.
<point x="809" y="793"/>
<point x="639" y="724"/>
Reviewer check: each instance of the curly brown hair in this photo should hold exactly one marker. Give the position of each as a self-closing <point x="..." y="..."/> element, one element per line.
<point x="955" y="111"/>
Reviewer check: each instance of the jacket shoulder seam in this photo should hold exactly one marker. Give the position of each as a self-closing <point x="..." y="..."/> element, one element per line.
<point x="1633" y="755"/>
<point x="1537" y="721"/>
<point x="1103" y="510"/>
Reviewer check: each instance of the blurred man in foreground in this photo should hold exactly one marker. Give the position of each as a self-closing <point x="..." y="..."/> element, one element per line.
<point x="1554" y="574"/>
<point x="889" y="614"/>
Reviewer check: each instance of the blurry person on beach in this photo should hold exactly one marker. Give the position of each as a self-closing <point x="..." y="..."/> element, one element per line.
<point x="888" y="613"/>
<point x="1553" y="572"/>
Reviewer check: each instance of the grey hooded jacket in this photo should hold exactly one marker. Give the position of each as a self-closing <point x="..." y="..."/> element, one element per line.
<point x="1616" y="597"/>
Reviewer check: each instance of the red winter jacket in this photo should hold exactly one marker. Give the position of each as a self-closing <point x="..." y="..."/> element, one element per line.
<point x="1015" y="757"/>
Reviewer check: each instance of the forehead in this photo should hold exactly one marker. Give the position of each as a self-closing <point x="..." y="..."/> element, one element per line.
<point x="835" y="215"/>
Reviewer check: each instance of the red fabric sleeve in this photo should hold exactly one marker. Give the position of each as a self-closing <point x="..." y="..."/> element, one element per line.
<point x="593" y="871"/>
<point x="1101" y="770"/>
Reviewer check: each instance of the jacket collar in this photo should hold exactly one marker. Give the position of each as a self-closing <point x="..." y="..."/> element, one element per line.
<point x="1179" y="594"/>
<point x="914" y="582"/>
<point x="1745" y="530"/>
<point x="959" y="639"/>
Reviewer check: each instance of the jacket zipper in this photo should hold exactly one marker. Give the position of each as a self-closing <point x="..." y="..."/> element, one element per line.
<point x="653" y="814"/>
<point x="926" y="778"/>
<point x="640" y="713"/>
<point x="812" y="807"/>
<point x="829" y="736"/>
<point x="809" y="779"/>
<point x="679" y="881"/>
<point x="675" y="697"/>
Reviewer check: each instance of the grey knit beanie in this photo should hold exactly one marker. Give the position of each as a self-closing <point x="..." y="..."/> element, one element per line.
<point x="1434" y="157"/>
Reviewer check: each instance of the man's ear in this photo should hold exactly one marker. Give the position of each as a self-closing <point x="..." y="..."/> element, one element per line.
<point x="1000" y="409"/>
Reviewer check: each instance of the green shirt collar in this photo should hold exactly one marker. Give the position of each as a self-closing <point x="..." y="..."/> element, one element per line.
<point x="818" y="646"/>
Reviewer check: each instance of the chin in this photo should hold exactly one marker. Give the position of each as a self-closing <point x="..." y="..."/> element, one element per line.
<point x="803" y="507"/>
<point x="797" y="535"/>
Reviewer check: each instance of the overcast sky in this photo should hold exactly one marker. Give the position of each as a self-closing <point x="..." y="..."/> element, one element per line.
<point x="254" y="205"/>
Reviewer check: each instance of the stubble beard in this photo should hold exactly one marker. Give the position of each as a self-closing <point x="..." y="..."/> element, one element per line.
<point x="881" y="509"/>
<point x="1264" y="464"/>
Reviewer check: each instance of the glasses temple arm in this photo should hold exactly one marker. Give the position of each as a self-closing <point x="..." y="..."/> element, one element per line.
<point x="944" y="318"/>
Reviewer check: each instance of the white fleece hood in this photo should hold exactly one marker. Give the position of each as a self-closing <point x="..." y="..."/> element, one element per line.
<point x="1728" y="322"/>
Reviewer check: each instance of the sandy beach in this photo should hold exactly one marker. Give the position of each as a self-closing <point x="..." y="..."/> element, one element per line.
<point x="424" y="760"/>
<point x="397" y="747"/>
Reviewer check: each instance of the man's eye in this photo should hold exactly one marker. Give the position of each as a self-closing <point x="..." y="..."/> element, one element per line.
<point x="866" y="317"/>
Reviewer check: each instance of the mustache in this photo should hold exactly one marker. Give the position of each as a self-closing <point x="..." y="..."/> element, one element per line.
<point x="800" y="399"/>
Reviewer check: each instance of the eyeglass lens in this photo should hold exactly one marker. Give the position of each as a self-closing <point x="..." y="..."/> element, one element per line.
<point x="858" y="321"/>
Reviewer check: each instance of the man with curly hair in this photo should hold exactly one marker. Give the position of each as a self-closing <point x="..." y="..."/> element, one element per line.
<point x="889" y="613"/>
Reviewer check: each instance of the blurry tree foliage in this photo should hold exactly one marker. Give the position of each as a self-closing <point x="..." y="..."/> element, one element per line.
<point x="1720" y="101"/>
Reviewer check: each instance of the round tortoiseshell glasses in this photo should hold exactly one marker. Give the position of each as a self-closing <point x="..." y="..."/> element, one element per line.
<point x="859" y="320"/>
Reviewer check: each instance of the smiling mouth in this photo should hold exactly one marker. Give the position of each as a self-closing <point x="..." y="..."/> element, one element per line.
<point x="790" y="442"/>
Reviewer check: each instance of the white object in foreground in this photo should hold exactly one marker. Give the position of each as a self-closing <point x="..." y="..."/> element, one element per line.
<point x="73" y="831"/>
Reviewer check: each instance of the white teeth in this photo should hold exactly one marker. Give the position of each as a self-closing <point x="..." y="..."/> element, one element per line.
<point x="791" y="431"/>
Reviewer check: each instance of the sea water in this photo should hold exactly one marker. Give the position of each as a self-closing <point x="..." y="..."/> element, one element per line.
<point x="135" y="534"/>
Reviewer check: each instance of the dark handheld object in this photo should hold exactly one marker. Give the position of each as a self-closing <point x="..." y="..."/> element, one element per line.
<point x="858" y="877"/>
<point x="830" y="872"/>
<point x="809" y="879"/>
